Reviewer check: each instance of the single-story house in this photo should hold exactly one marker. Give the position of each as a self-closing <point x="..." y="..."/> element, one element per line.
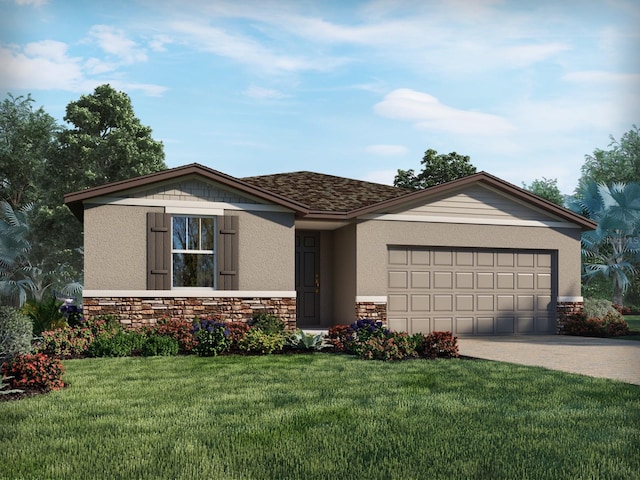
<point x="476" y="256"/>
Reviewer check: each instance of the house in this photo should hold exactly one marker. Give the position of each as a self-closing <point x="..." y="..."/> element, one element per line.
<point x="475" y="256"/>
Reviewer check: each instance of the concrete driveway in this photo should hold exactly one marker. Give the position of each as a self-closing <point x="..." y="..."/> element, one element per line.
<point x="595" y="357"/>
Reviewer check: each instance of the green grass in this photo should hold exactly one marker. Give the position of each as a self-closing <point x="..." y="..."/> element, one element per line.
<point x="321" y="417"/>
<point x="634" y="324"/>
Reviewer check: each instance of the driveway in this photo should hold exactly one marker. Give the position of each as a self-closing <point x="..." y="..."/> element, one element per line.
<point x="595" y="357"/>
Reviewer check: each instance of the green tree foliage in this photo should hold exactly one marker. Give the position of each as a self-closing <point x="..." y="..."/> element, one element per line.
<point x="27" y="141"/>
<point x="612" y="250"/>
<point x="105" y="143"/>
<point x="436" y="169"/>
<point x="15" y="267"/>
<point x="619" y="164"/>
<point x="546" y="188"/>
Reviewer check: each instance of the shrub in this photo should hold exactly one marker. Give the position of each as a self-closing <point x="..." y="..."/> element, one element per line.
<point x="258" y="341"/>
<point x="34" y="372"/>
<point x="158" y="345"/>
<point x="16" y="332"/>
<point x="72" y="313"/>
<point x="361" y="331"/>
<point x="74" y="342"/>
<point x="124" y="343"/>
<point x="267" y="323"/>
<point x="237" y="332"/>
<point x="610" y="325"/>
<point x="623" y="309"/>
<point x="596" y="307"/>
<point x="393" y="346"/>
<point x="212" y="337"/>
<point x="339" y="337"/>
<point x="180" y="330"/>
<point x="45" y="314"/>
<point x="440" y="345"/>
<point x="3" y="386"/>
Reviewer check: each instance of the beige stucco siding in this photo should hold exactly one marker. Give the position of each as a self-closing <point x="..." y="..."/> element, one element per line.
<point x="345" y="274"/>
<point x="373" y="237"/>
<point x="267" y="246"/>
<point x="115" y="247"/>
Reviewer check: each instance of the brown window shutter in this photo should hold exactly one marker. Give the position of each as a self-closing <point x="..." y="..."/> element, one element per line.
<point x="158" y="251"/>
<point x="228" y="252"/>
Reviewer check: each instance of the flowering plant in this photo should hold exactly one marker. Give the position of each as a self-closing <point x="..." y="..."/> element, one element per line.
<point x="34" y="372"/>
<point x="212" y="337"/>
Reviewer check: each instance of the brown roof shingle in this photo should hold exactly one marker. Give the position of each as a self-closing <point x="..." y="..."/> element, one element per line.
<point x="326" y="193"/>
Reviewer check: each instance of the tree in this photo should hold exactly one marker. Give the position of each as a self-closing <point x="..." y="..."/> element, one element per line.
<point x="619" y="164"/>
<point x="612" y="250"/>
<point x="15" y="281"/>
<point x="105" y="143"/>
<point x="437" y="169"/>
<point x="546" y="188"/>
<point x="27" y="141"/>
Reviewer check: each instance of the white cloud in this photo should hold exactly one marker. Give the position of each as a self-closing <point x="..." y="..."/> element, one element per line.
<point x="47" y="65"/>
<point x="387" y="150"/>
<point x="247" y="51"/>
<point x="158" y="42"/>
<point x="114" y="42"/>
<point x="599" y="76"/>
<point x="426" y="112"/>
<point x="264" y="93"/>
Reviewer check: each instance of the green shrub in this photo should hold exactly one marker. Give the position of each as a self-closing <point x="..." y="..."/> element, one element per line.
<point x="393" y="346"/>
<point x="361" y="331"/>
<point x="34" y="372"/>
<point x="212" y="337"/>
<point x="596" y="307"/>
<point x="440" y="345"/>
<point x="44" y="314"/>
<point x="16" y="333"/>
<point x="159" y="345"/>
<point x="180" y="330"/>
<point x="258" y="341"/>
<point x="267" y="323"/>
<point x="124" y="343"/>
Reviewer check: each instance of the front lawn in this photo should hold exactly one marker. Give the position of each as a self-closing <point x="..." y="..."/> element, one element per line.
<point x="321" y="416"/>
<point x="634" y="325"/>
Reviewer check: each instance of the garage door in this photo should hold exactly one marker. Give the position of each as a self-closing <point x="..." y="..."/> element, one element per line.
<point x="470" y="292"/>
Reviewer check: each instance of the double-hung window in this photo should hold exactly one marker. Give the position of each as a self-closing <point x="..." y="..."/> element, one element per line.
<point x="193" y="251"/>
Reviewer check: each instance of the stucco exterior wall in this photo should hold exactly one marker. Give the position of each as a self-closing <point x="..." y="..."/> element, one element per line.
<point x="374" y="236"/>
<point x="267" y="246"/>
<point x="115" y="247"/>
<point x="344" y="275"/>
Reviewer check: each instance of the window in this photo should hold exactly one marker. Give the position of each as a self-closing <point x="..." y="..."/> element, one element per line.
<point x="193" y="251"/>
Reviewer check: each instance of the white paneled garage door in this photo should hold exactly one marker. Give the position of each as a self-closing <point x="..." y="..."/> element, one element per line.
<point x="470" y="292"/>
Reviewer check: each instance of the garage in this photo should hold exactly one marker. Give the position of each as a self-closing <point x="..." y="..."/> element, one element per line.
<point x="471" y="291"/>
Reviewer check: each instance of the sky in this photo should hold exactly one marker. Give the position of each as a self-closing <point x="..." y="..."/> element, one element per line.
<point x="358" y="89"/>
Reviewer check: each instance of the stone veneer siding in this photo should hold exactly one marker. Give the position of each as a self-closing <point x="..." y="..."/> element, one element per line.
<point x="372" y="310"/>
<point x="565" y="311"/>
<point x="136" y="312"/>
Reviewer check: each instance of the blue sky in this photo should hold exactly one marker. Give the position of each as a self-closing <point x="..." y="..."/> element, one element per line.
<point x="351" y="88"/>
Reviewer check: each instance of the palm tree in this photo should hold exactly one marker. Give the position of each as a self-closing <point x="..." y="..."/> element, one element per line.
<point x="613" y="249"/>
<point x="15" y="268"/>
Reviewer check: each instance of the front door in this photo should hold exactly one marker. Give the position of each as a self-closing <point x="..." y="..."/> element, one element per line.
<point x="308" y="278"/>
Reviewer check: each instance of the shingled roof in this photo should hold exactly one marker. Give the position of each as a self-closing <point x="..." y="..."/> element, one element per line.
<point x="326" y="193"/>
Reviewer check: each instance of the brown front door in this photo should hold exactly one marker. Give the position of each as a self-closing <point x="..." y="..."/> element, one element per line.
<point x="308" y="278"/>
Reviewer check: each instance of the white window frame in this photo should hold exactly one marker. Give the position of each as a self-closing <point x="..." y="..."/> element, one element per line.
<point x="213" y="252"/>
